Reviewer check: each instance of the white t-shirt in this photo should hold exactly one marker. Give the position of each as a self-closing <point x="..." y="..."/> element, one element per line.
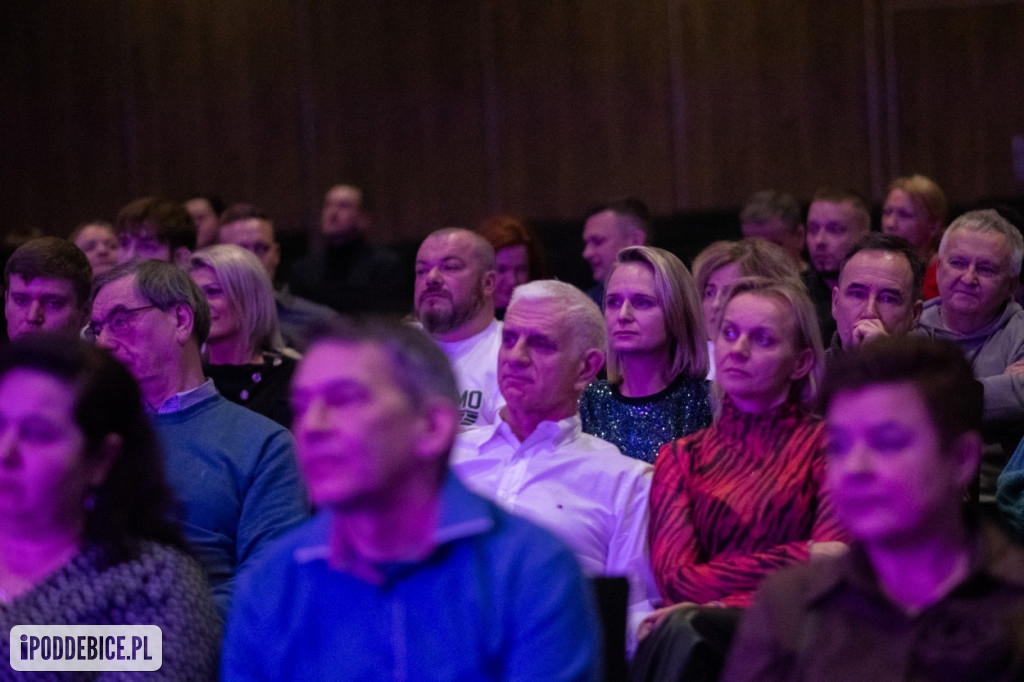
<point x="475" y="362"/>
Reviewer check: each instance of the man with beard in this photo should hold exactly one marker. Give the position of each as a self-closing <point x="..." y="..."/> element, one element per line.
<point x="836" y="220"/>
<point x="455" y="278"/>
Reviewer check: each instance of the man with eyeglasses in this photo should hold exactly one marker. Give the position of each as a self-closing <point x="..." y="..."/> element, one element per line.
<point x="250" y="227"/>
<point x="233" y="471"/>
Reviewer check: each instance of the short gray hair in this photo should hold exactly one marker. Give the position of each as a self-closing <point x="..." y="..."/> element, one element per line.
<point x="165" y="286"/>
<point x="989" y="220"/>
<point x="580" y="313"/>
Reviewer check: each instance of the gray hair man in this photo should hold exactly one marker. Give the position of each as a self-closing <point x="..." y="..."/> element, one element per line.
<point x="537" y="461"/>
<point x="233" y="470"/>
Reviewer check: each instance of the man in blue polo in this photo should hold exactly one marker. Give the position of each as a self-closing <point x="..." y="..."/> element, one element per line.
<point x="404" y="573"/>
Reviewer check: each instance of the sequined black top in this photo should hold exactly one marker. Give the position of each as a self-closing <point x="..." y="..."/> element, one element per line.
<point x="640" y="426"/>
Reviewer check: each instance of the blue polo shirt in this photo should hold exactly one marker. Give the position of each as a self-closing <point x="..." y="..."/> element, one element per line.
<point x="497" y="599"/>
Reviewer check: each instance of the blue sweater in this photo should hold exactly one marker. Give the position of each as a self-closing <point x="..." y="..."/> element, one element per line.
<point x="497" y="599"/>
<point x="235" y="476"/>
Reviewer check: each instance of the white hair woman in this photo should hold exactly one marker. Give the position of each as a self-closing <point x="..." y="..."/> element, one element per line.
<point x="244" y="353"/>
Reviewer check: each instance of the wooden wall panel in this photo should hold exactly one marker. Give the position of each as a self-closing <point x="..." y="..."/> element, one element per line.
<point x="956" y="74"/>
<point x="448" y="111"/>
<point x="584" y="104"/>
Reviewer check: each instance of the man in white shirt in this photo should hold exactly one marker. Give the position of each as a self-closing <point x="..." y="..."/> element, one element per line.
<point x="537" y="462"/>
<point x="455" y="277"/>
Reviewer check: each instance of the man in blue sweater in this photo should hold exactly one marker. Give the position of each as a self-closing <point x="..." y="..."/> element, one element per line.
<point x="234" y="471"/>
<point x="404" y="573"/>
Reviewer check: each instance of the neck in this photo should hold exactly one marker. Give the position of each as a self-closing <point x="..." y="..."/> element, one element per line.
<point x="525" y="422"/>
<point x="964" y="324"/>
<point x="921" y="571"/>
<point x="185" y="375"/>
<point x="471" y="328"/>
<point x="232" y="350"/>
<point x="644" y="375"/>
<point x="399" y="528"/>
<point x="29" y="554"/>
<point x="758" y="404"/>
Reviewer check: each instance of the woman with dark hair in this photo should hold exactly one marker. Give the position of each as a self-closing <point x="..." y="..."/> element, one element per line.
<point x="518" y="257"/>
<point x="85" y="535"/>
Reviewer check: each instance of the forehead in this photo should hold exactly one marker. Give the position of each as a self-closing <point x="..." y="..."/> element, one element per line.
<point x="198" y="205"/>
<point x="454" y="245"/>
<point x="35" y="391"/>
<point x="892" y="403"/>
<point x="512" y="254"/>
<point x="633" y="276"/>
<point x="605" y="224"/>
<point x="42" y="286"/>
<point x="832" y="211"/>
<point x="752" y="309"/>
<point x="898" y="197"/>
<point x="343" y="195"/>
<point x="204" y="275"/>
<point x="119" y="292"/>
<point x="248" y="229"/>
<point x="94" y="232"/>
<point x="536" y="316"/>
<point x="981" y="245"/>
<point x="878" y="267"/>
<point x="329" y="362"/>
<point x="774" y="226"/>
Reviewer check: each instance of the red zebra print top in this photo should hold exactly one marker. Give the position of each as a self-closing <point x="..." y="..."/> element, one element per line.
<point x="736" y="501"/>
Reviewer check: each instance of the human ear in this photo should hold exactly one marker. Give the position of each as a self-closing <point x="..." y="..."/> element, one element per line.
<point x="438" y="424"/>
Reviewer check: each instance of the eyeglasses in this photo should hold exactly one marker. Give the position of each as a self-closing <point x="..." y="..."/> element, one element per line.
<point x="117" y="322"/>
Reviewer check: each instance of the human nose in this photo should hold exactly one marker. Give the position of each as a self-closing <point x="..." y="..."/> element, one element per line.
<point x="103" y="338"/>
<point x="518" y="353"/>
<point x="871" y="309"/>
<point x="313" y="419"/>
<point x="971" y="274"/>
<point x="626" y="311"/>
<point x="8" y="446"/>
<point x="35" y="312"/>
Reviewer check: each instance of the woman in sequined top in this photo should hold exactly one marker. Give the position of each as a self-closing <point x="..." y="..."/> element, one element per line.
<point x="244" y="353"/>
<point x="85" y="535"/>
<point x="657" y="356"/>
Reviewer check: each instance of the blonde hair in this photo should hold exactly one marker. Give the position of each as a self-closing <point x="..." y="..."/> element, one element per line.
<point x="805" y="323"/>
<point x="755" y="258"/>
<point x="249" y="292"/>
<point x="680" y="302"/>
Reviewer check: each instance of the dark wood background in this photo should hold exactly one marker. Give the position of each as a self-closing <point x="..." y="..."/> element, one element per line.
<point x="449" y="111"/>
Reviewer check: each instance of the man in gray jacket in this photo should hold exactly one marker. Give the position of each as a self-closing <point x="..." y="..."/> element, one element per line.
<point x="979" y="263"/>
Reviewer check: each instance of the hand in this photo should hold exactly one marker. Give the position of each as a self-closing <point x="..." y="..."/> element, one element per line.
<point x="1015" y="369"/>
<point x="827" y="549"/>
<point x="658" y="616"/>
<point x="867" y="330"/>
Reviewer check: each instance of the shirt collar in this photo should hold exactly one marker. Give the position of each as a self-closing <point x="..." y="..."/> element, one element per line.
<point x="463" y="514"/>
<point x="186" y="399"/>
<point x="554" y="434"/>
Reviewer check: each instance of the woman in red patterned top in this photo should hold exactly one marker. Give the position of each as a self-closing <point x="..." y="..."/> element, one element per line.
<point x="742" y="498"/>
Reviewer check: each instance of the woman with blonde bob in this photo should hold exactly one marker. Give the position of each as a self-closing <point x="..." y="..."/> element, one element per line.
<point x="657" y="356"/>
<point x="719" y="266"/>
<point x="244" y="353"/>
<point x="916" y="209"/>
<point x="745" y="496"/>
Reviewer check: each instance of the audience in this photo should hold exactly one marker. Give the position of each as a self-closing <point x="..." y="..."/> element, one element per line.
<point x="244" y="353"/>
<point x="250" y="227"/>
<point x="916" y="210"/>
<point x="518" y="257"/>
<point x="349" y="273"/>
<point x="776" y="217"/>
<point x="744" y="497"/>
<point x="608" y="229"/>
<point x="657" y="356"/>
<point x="46" y="288"/>
<point x="926" y="592"/>
<point x="155" y="228"/>
<point x="84" y="531"/>
<point x="98" y="241"/>
<point x="233" y="471"/>
<point x="836" y="220"/>
<point x="537" y="462"/>
<point x="719" y="266"/>
<point x="979" y="262"/>
<point x="455" y="305"/>
<point x="404" y="574"/>
<point x="878" y="292"/>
